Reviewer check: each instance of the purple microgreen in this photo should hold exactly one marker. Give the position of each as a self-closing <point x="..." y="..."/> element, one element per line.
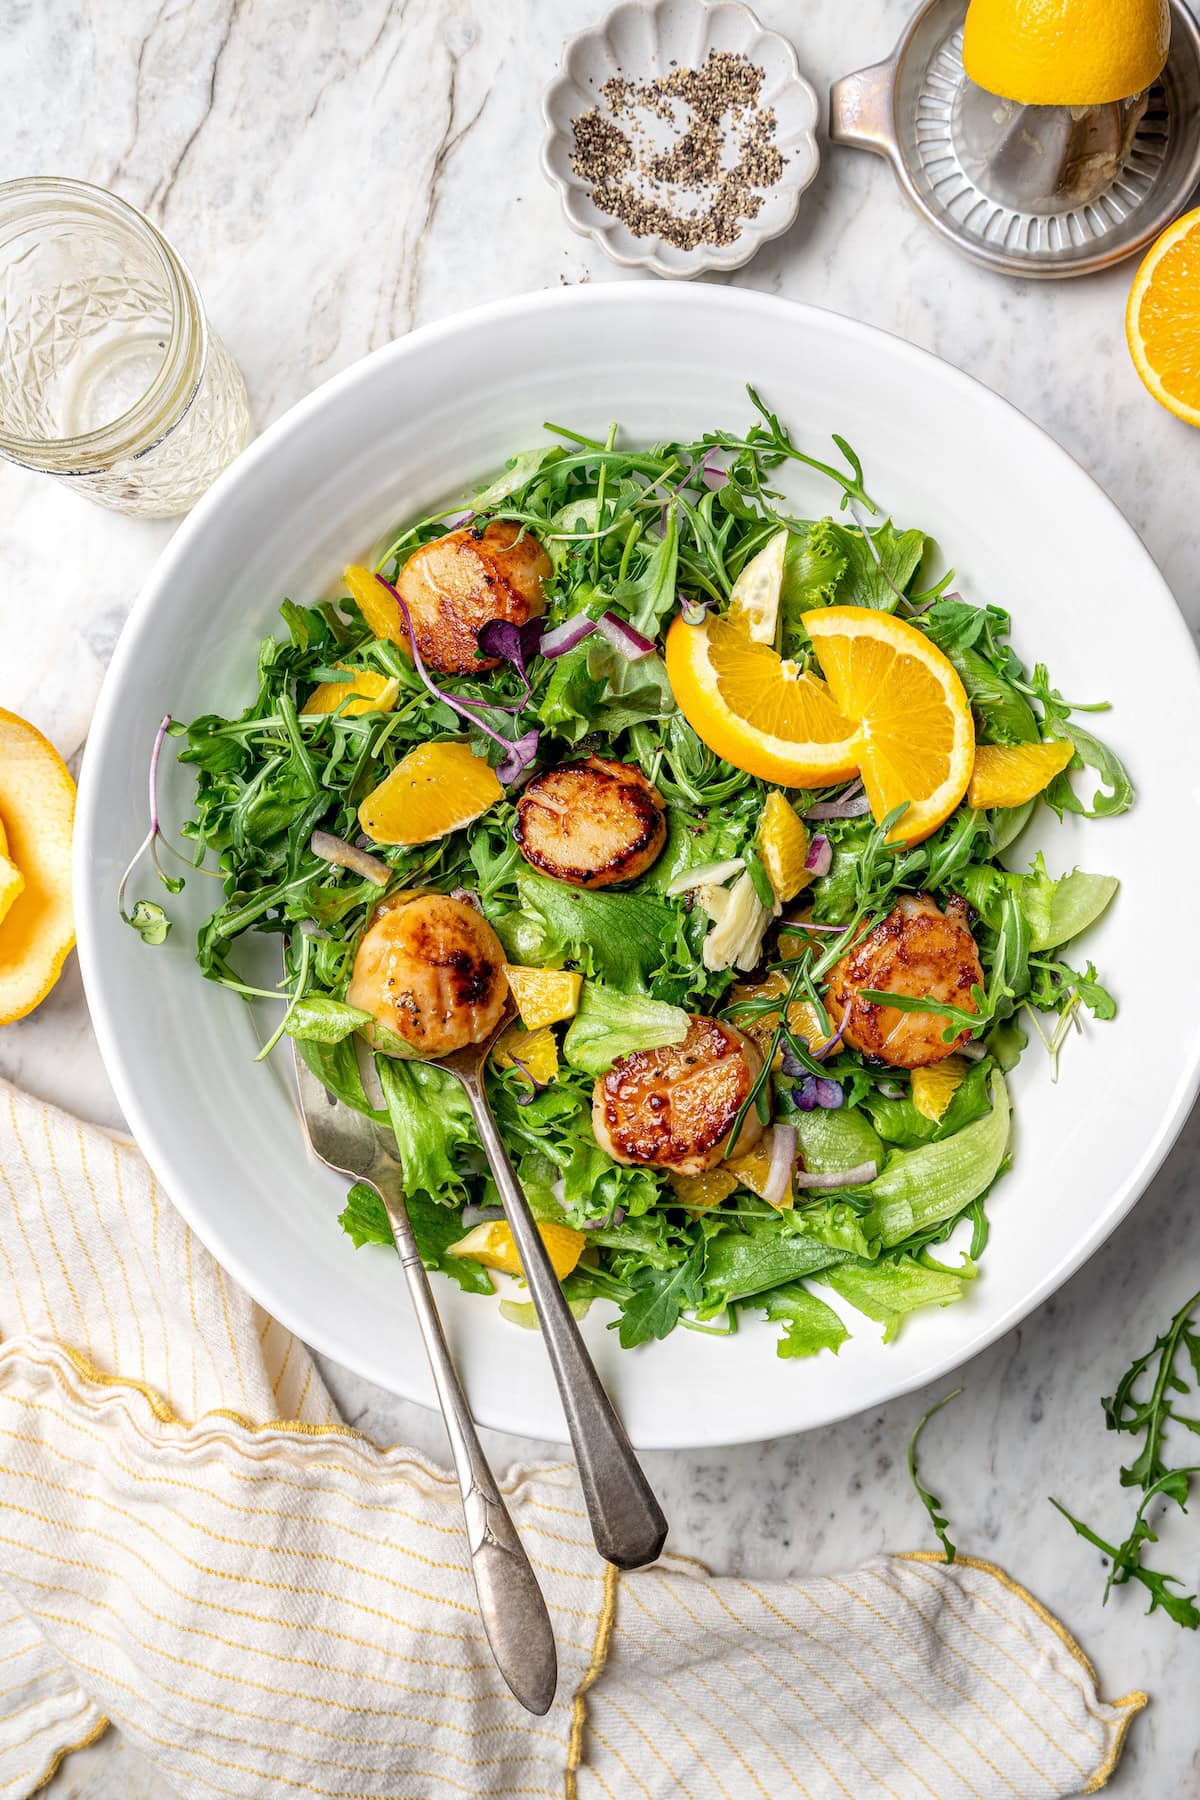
<point x="517" y="755"/>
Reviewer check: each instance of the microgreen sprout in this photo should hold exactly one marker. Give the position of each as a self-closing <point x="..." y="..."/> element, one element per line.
<point x="148" y="918"/>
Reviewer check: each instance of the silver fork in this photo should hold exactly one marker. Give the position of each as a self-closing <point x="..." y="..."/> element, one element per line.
<point x="510" y="1601"/>
<point x="628" y="1525"/>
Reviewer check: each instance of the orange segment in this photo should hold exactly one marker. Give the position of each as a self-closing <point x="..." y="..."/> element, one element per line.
<point x="783" y="847"/>
<point x="492" y="1245"/>
<point x="377" y="606"/>
<point x="934" y="1087"/>
<point x="916" y="739"/>
<point x="534" y="1053"/>
<point x="759" y="712"/>
<point x="753" y="1169"/>
<point x="544" y="996"/>
<point x="1011" y="774"/>
<point x="754" y="597"/>
<point x="699" y="1192"/>
<point x="434" y="789"/>
<point x="759" y="1026"/>
<point x="366" y="691"/>
<point x="37" y="799"/>
<point x="1162" y="322"/>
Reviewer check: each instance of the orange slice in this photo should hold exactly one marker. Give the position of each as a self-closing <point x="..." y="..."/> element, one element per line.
<point x="435" y="789"/>
<point x="1162" y="321"/>
<point x="366" y="691"/>
<point x="544" y="996"/>
<point x="492" y="1245"/>
<point x="916" y="737"/>
<point x="534" y="1053"/>
<point x="37" y="799"/>
<point x="377" y="606"/>
<point x="761" y="713"/>
<point x="1011" y="774"/>
<point x="783" y="847"/>
<point x="934" y="1087"/>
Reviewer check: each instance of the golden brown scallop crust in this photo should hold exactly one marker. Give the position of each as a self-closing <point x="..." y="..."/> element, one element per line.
<point x="455" y="585"/>
<point x="431" y="969"/>
<point x="920" y="951"/>
<point x="674" y="1108"/>
<point x="591" y="823"/>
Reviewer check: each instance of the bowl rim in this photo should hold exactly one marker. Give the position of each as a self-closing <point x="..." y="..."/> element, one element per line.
<point x="705" y="257"/>
<point x="105" y="1010"/>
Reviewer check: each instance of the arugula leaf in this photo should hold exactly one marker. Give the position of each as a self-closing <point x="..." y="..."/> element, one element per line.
<point x="810" y="1326"/>
<point x="1115" y="794"/>
<point x="609" y="1024"/>
<point x="649" y="597"/>
<point x="658" y="1297"/>
<point x="930" y="1501"/>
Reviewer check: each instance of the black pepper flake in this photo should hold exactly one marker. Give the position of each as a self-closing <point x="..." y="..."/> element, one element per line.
<point x="709" y="180"/>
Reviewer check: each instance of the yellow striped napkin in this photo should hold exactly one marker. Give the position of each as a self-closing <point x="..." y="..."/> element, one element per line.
<point x="195" y="1549"/>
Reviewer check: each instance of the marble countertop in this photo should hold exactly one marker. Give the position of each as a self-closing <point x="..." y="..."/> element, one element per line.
<point x="337" y="175"/>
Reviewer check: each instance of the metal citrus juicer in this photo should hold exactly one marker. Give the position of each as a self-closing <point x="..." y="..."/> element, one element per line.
<point x="1042" y="191"/>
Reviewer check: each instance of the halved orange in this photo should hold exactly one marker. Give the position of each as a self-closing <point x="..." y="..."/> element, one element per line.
<point x="435" y="789"/>
<point x="37" y="799"/>
<point x="760" y="712"/>
<point x="1162" y="321"/>
<point x="1011" y="774"/>
<point x="916" y="738"/>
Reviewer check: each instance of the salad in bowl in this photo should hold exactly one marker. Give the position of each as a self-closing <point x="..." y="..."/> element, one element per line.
<point x="728" y="803"/>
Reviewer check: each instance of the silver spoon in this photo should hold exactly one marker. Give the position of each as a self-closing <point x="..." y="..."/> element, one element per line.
<point x="510" y="1601"/>
<point x="628" y="1525"/>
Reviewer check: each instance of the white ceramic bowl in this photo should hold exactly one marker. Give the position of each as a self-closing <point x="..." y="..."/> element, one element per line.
<point x="643" y="39"/>
<point x="418" y="423"/>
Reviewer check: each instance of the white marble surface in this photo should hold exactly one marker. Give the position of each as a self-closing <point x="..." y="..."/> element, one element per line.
<point x="338" y="174"/>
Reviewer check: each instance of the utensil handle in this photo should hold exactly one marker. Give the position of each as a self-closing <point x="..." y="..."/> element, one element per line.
<point x="510" y="1601"/>
<point x="628" y="1524"/>
<point x="862" y="112"/>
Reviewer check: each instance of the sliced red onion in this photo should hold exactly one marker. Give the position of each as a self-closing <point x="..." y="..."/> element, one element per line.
<point x="890" y="1090"/>
<point x="820" y="855"/>
<point x="624" y="639"/>
<point x="836" y="1178"/>
<point x="615" y="1217"/>
<point x="342" y="855"/>
<point x="817" y="1092"/>
<point x="807" y="925"/>
<point x="480" y="1215"/>
<point x="468" y="896"/>
<point x="779" y="1169"/>
<point x="973" y="1050"/>
<point x="852" y="805"/>
<point x="462" y="519"/>
<point x="516" y="755"/>
<point x="564" y="637"/>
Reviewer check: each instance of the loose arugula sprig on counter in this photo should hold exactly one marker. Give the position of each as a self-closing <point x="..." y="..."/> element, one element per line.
<point x="1168" y="1370"/>
<point x="635" y="534"/>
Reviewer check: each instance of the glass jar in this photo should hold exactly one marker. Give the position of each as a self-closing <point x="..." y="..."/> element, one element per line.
<point x="110" y="378"/>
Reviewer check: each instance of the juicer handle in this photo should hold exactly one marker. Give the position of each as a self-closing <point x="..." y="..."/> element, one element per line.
<point x="862" y="110"/>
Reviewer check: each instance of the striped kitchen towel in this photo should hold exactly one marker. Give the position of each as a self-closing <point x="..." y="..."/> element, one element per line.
<point x="194" y="1549"/>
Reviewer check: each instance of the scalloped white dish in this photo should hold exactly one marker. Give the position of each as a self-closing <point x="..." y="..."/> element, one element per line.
<point x="420" y="423"/>
<point x="642" y="40"/>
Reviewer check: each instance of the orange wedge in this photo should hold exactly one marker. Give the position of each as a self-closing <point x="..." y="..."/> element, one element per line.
<point x="699" y="1192"/>
<point x="1011" y="774"/>
<point x="783" y="847"/>
<point x="436" y="788"/>
<point x="916" y="737"/>
<point x="934" y="1087"/>
<point x="377" y="606"/>
<point x="492" y="1245"/>
<point x="761" y="713"/>
<point x="1162" y="321"/>
<point x="366" y="691"/>
<point x="544" y="996"/>
<point x="534" y="1053"/>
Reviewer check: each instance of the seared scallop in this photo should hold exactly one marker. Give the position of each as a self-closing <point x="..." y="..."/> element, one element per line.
<point x="454" y="586"/>
<point x="430" y="969"/>
<point x="675" y="1108"/>
<point x="591" y="823"/>
<point x="918" y="951"/>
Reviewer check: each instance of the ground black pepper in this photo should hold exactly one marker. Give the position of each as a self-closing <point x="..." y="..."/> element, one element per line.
<point x="710" y="179"/>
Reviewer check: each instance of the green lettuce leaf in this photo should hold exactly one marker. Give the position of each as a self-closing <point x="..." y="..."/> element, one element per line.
<point x="888" y="1291"/>
<point x="432" y="1125"/>
<point x="921" y="1187"/>
<point x="364" y="1221"/>
<point x="321" y="1019"/>
<point x="617" y="937"/>
<point x="809" y="1325"/>
<point x="609" y="1024"/>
